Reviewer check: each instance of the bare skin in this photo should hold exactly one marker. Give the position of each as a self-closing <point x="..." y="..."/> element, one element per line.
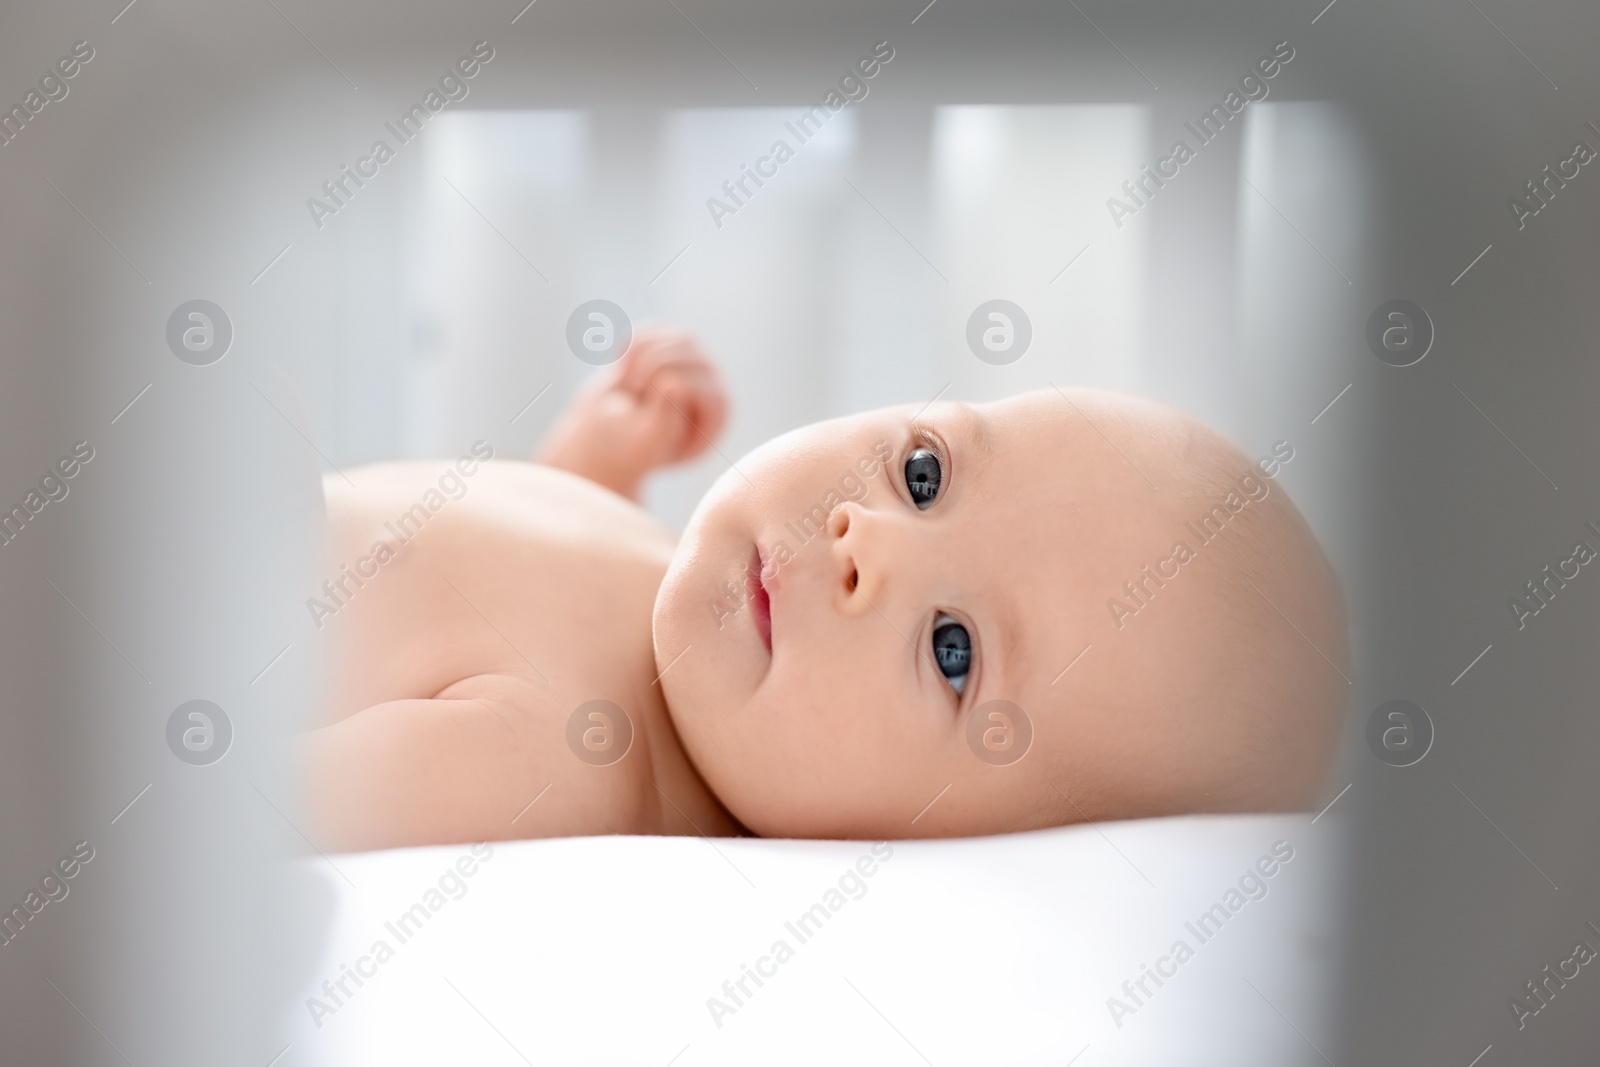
<point x="819" y="705"/>
<point x="461" y="661"/>
<point x="659" y="405"/>
<point x="824" y="652"/>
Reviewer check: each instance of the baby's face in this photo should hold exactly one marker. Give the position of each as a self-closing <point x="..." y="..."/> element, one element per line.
<point x="863" y="605"/>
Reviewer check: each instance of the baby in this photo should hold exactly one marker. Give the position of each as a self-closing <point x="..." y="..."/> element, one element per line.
<point x="922" y="621"/>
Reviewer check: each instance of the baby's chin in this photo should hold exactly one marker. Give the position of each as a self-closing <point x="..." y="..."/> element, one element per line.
<point x="707" y="651"/>
<point x="706" y="549"/>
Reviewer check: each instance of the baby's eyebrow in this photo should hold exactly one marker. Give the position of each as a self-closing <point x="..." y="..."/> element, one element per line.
<point x="972" y="441"/>
<point x="979" y="440"/>
<point x="1003" y="647"/>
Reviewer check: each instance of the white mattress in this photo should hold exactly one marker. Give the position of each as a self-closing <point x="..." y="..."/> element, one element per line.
<point x="606" y="951"/>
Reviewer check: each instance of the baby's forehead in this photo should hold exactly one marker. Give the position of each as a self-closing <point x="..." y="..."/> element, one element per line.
<point x="1060" y="417"/>
<point x="1058" y="512"/>
<point x="1036" y="558"/>
<point x="1041" y="463"/>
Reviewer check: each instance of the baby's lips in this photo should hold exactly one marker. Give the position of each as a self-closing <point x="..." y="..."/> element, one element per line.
<point x="760" y="598"/>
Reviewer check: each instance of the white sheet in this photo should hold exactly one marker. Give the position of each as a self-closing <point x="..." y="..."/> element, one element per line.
<point x="606" y="951"/>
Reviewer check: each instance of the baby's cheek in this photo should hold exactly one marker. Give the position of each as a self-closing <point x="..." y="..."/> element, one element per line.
<point x="796" y="731"/>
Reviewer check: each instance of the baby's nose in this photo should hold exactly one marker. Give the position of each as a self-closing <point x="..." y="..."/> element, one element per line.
<point x="839" y="521"/>
<point x="855" y="576"/>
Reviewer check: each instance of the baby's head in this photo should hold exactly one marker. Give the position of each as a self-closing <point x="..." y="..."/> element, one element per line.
<point x="1142" y="591"/>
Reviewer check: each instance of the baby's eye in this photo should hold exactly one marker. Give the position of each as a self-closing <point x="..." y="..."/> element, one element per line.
<point x="952" y="650"/>
<point x="923" y="477"/>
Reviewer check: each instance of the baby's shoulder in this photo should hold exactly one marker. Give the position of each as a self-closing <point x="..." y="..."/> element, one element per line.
<point x="526" y="500"/>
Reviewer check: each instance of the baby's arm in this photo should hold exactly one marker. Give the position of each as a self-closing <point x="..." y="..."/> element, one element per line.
<point x="662" y="403"/>
<point x="415" y="772"/>
<point x="442" y="770"/>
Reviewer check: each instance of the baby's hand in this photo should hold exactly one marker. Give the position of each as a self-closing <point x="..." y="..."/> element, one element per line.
<point x="662" y="403"/>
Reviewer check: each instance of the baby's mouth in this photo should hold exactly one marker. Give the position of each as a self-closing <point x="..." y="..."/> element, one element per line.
<point x="760" y="602"/>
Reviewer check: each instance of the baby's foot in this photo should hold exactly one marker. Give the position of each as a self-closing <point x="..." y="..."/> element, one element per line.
<point x="661" y="403"/>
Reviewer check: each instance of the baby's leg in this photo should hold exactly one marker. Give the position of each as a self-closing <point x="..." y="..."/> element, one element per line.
<point x="661" y="403"/>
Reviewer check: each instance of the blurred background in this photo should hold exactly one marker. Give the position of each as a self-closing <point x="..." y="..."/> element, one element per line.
<point x="431" y="309"/>
<point x="846" y="282"/>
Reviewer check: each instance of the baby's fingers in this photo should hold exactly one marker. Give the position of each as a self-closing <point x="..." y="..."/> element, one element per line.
<point x="655" y="349"/>
<point x="708" y="397"/>
<point x="696" y="394"/>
